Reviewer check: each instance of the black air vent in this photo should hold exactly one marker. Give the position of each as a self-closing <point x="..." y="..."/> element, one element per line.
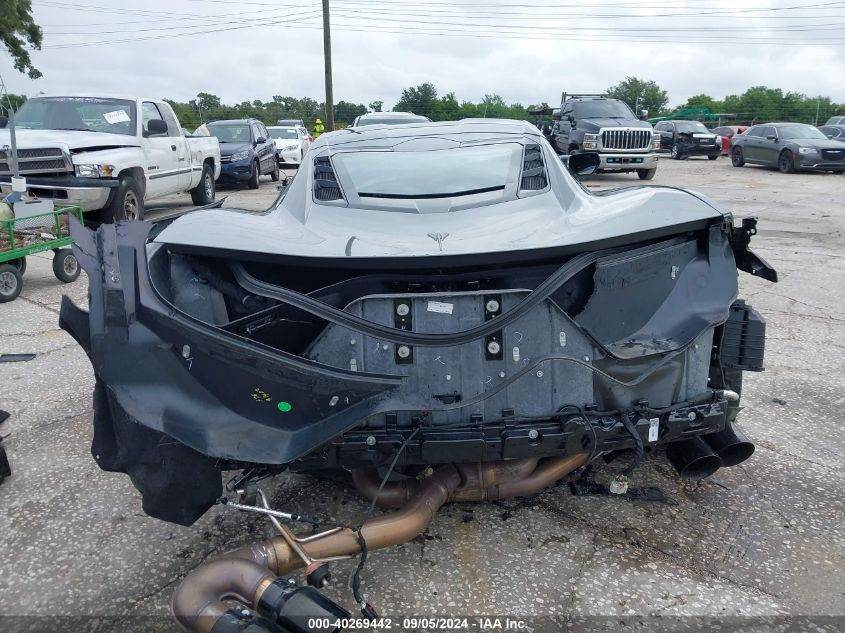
<point x="533" y="169"/>
<point x="325" y="182"/>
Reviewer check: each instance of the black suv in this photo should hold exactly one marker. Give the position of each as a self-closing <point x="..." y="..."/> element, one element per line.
<point x="246" y="151"/>
<point x="688" y="138"/>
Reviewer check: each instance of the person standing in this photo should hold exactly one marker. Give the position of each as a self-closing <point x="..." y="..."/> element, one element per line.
<point x="319" y="128"/>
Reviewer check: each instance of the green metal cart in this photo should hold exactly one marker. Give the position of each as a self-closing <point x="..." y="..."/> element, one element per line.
<point x="24" y="236"/>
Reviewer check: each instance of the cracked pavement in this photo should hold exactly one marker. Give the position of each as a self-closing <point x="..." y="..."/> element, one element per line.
<point x="764" y="539"/>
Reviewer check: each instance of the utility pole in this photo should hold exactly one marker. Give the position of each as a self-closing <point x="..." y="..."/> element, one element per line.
<point x="327" y="57"/>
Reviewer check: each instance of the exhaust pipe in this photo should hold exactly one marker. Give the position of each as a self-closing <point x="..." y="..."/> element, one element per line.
<point x="250" y="575"/>
<point x="693" y="458"/>
<point x="731" y="445"/>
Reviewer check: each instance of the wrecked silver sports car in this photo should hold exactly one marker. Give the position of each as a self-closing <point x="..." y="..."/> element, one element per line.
<point x="442" y="295"/>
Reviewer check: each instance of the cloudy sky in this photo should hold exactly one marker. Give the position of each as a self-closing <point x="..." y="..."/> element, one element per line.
<point x="526" y="51"/>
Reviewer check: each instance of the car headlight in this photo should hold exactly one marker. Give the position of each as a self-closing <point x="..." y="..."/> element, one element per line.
<point x="808" y="150"/>
<point x="290" y="148"/>
<point x="591" y="141"/>
<point x="94" y="171"/>
<point x="242" y="155"/>
<point x="718" y="140"/>
<point x="655" y="140"/>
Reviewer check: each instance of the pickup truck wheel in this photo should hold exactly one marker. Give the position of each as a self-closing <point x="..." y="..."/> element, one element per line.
<point x="737" y="159"/>
<point x="786" y="162"/>
<point x="127" y="203"/>
<point x="274" y="175"/>
<point x="65" y="266"/>
<point x="11" y="283"/>
<point x="712" y="157"/>
<point x="676" y="152"/>
<point x="203" y="193"/>
<point x="252" y="183"/>
<point x="646" y="174"/>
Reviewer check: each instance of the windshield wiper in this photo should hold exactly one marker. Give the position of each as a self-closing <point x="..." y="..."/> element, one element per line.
<point x="78" y="129"/>
<point x="423" y="196"/>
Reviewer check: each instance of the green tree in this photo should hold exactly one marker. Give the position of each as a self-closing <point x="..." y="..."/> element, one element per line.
<point x="703" y="101"/>
<point x="420" y="99"/>
<point x="345" y="112"/>
<point x="17" y="29"/>
<point x="16" y="102"/>
<point x="376" y="106"/>
<point x="640" y="94"/>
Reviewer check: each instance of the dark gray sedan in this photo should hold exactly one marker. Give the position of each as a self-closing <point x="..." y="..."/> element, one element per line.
<point x="788" y="146"/>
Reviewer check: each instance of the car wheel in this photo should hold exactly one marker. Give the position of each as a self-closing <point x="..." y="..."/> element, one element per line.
<point x="253" y="176"/>
<point x="712" y="157"/>
<point x="127" y="203"/>
<point x="65" y="266"/>
<point x="839" y="171"/>
<point x="204" y="192"/>
<point x="646" y="174"/>
<point x="274" y="175"/>
<point x="676" y="151"/>
<point x="786" y="162"/>
<point x="737" y="159"/>
<point x="11" y="283"/>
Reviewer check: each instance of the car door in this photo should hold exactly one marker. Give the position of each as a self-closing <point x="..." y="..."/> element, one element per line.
<point x="184" y="164"/>
<point x="161" y="154"/>
<point x="667" y="136"/>
<point x="769" y="145"/>
<point x="262" y="147"/>
<point x="751" y="144"/>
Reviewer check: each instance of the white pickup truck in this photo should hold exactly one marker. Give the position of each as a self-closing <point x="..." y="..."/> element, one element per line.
<point x="108" y="154"/>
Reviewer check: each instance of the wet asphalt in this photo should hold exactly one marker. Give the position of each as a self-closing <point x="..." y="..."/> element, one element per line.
<point x="759" y="544"/>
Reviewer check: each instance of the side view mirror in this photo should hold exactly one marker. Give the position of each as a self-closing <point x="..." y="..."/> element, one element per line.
<point x="583" y="164"/>
<point x="260" y="140"/>
<point x="3" y="121"/>
<point x="772" y="137"/>
<point x="156" y="126"/>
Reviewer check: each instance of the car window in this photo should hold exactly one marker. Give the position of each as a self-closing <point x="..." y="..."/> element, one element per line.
<point x="602" y="109"/>
<point x="237" y="133"/>
<point x="430" y="174"/>
<point x="768" y="131"/>
<point x="149" y="112"/>
<point x="799" y="131"/>
<point x="691" y="127"/>
<point x="173" y="128"/>
<point x="256" y="132"/>
<point x="285" y="132"/>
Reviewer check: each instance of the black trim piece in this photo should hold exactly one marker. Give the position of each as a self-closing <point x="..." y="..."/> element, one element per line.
<point x="363" y="326"/>
<point x="172" y="173"/>
<point x="429" y="196"/>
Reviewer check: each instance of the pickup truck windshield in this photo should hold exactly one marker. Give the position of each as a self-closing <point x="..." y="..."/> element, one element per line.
<point x="602" y="109"/>
<point x="89" y="114"/>
<point x="445" y="173"/>
<point x="230" y="133"/>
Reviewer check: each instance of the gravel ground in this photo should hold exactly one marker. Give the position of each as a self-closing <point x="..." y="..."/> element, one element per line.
<point x="750" y="546"/>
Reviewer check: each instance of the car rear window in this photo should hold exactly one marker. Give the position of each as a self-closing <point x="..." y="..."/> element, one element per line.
<point x="443" y="173"/>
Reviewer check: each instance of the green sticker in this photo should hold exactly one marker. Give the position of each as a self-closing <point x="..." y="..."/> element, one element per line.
<point x="284" y="407"/>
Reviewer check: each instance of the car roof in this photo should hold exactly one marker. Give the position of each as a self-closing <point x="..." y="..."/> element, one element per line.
<point x="234" y="121"/>
<point x="489" y="129"/>
<point x="282" y="127"/>
<point x="389" y="113"/>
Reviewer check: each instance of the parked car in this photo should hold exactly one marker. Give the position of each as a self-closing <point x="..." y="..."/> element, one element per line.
<point x="788" y="146"/>
<point x="727" y="132"/>
<point x="298" y="123"/>
<point x="388" y="118"/>
<point x="836" y="120"/>
<point x="108" y="154"/>
<point x="291" y="144"/>
<point x="688" y="138"/>
<point x="608" y="128"/>
<point x="247" y="151"/>
<point x="836" y="132"/>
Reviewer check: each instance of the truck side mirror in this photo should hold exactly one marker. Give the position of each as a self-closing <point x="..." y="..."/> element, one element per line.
<point x="155" y="126"/>
<point x="3" y="121"/>
<point x="583" y="164"/>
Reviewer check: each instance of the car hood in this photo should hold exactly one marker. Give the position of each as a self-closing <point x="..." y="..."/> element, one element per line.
<point x="227" y="149"/>
<point x="605" y="123"/>
<point x="817" y="143"/>
<point x="71" y="141"/>
<point x="515" y="226"/>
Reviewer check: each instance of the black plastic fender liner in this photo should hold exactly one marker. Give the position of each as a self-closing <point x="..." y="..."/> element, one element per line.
<point x="210" y="390"/>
